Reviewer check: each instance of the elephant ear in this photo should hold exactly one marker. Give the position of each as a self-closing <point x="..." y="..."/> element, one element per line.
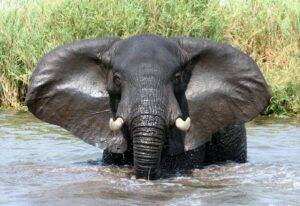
<point x="68" y="89"/>
<point x="225" y="87"/>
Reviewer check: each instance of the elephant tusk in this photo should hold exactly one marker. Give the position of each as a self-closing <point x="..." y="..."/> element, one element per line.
<point x="116" y="124"/>
<point x="183" y="125"/>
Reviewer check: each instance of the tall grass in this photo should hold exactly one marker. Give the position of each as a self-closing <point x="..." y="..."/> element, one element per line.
<point x="267" y="30"/>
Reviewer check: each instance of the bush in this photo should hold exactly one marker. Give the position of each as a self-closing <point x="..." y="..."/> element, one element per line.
<point x="267" y="30"/>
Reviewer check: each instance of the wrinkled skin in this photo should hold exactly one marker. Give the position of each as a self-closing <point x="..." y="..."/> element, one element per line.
<point x="149" y="81"/>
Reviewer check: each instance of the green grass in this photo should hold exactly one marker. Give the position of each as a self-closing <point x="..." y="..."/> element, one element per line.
<point x="267" y="30"/>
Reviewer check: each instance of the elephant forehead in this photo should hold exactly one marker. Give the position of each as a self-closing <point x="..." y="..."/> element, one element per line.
<point x="147" y="55"/>
<point x="152" y="70"/>
<point x="147" y="66"/>
<point x="141" y="42"/>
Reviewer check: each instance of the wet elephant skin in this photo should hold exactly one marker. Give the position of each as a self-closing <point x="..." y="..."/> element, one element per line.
<point x="150" y="86"/>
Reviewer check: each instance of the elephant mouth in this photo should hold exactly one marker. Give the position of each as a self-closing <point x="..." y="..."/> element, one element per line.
<point x="149" y="136"/>
<point x="148" y="144"/>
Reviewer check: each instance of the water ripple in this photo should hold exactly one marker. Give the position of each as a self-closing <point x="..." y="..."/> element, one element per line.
<point x="44" y="165"/>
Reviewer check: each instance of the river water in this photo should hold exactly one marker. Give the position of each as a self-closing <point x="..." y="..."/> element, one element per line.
<point x="41" y="164"/>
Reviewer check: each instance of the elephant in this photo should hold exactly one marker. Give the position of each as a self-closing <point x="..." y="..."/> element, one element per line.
<point x="152" y="102"/>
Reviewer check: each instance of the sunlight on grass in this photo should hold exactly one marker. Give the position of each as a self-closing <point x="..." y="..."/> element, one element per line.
<point x="266" y="30"/>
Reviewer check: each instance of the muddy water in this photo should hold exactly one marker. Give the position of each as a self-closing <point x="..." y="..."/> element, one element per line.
<point x="41" y="164"/>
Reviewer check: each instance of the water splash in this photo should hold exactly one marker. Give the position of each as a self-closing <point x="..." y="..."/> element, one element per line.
<point x="43" y="164"/>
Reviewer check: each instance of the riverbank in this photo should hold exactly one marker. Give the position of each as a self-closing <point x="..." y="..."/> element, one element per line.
<point x="268" y="31"/>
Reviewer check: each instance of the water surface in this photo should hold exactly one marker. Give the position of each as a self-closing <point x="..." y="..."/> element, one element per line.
<point x="42" y="164"/>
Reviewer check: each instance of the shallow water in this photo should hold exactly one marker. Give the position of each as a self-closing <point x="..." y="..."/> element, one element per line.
<point x="41" y="164"/>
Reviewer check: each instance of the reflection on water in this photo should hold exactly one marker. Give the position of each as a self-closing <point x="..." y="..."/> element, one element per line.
<point x="41" y="164"/>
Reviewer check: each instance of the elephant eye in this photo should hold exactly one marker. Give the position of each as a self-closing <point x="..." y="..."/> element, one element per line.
<point x="117" y="79"/>
<point x="177" y="78"/>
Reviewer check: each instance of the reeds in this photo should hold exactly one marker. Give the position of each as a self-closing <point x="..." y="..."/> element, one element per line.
<point x="266" y="30"/>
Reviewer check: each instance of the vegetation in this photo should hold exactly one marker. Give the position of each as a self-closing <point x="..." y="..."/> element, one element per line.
<point x="267" y="30"/>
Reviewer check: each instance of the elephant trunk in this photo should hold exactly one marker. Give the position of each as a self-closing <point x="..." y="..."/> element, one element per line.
<point x="148" y="135"/>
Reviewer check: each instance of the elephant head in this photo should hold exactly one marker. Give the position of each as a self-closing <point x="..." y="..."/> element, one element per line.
<point x="158" y="94"/>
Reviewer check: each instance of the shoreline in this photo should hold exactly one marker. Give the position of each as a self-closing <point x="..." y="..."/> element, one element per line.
<point x="265" y="30"/>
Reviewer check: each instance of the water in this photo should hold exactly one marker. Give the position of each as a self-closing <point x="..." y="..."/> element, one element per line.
<point x="41" y="164"/>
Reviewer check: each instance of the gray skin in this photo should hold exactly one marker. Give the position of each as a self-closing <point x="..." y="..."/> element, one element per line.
<point x="149" y="81"/>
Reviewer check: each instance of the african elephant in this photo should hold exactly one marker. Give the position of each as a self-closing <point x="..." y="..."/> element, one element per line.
<point x="150" y="101"/>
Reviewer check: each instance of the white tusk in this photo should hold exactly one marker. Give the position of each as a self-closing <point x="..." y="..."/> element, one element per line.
<point x="183" y="125"/>
<point x="116" y="124"/>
